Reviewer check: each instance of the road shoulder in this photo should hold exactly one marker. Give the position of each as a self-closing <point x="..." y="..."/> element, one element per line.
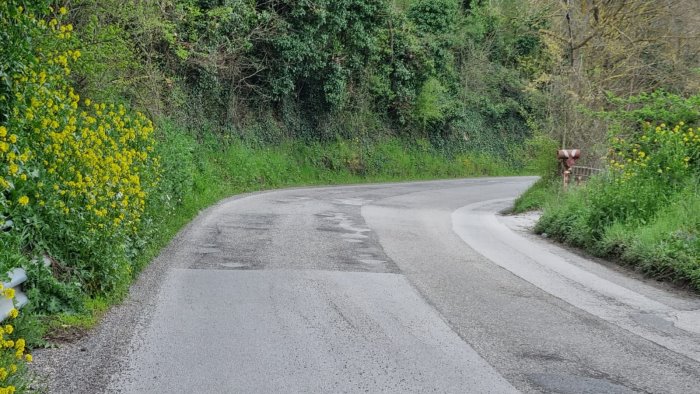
<point x="662" y="317"/>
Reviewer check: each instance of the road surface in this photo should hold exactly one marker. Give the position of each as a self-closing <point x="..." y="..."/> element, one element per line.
<point x="410" y="287"/>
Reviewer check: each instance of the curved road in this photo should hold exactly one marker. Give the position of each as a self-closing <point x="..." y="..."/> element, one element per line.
<point x="411" y="287"/>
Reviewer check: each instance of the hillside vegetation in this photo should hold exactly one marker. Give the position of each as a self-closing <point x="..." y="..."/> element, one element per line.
<point x="632" y="103"/>
<point x="119" y="120"/>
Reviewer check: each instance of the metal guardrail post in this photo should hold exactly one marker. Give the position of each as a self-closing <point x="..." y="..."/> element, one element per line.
<point x="17" y="277"/>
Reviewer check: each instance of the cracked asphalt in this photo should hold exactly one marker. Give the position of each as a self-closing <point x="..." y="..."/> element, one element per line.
<point x="404" y="287"/>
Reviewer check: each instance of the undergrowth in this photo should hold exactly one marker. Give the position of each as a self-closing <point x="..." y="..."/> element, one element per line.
<point x="643" y="211"/>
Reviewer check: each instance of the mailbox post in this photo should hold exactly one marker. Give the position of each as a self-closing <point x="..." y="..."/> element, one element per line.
<point x="568" y="159"/>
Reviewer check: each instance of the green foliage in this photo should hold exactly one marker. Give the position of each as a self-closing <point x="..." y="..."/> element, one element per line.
<point x="544" y="192"/>
<point x="656" y="107"/>
<point x="667" y="247"/>
<point x="75" y="176"/>
<point x="643" y="210"/>
<point x="17" y="33"/>
<point x="234" y="63"/>
<point x="118" y="41"/>
<point x="539" y="153"/>
<point x="432" y="102"/>
<point x="496" y="108"/>
<point x="434" y="16"/>
<point x="322" y="47"/>
<point x="176" y="149"/>
<point x="644" y="225"/>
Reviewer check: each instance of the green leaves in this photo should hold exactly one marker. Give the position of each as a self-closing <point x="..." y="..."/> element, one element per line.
<point x="321" y="49"/>
<point x="657" y="107"/>
<point x="432" y="103"/>
<point x="435" y="16"/>
<point x="16" y="40"/>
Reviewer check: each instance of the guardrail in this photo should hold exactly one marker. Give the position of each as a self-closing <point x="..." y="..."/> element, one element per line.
<point x="17" y="277"/>
<point x="582" y="173"/>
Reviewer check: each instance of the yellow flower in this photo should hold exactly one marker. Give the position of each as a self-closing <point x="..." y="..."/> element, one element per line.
<point x="9" y="293"/>
<point x="13" y="138"/>
<point x="14" y="313"/>
<point x="9" y="329"/>
<point x="63" y="10"/>
<point x="24" y="200"/>
<point x="3" y="131"/>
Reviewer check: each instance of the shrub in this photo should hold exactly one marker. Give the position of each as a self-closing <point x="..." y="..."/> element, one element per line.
<point x="673" y="152"/>
<point x="539" y="156"/>
<point x="644" y="209"/>
<point x="75" y="175"/>
<point x="434" y="16"/>
<point x="658" y="106"/>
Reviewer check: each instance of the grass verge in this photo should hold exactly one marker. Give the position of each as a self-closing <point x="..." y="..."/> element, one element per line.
<point x="646" y="226"/>
<point x="543" y="192"/>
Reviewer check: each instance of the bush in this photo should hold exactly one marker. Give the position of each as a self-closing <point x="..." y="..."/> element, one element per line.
<point x="75" y="176"/>
<point x="539" y="157"/>
<point x="668" y="246"/>
<point x="658" y="106"/>
<point x="434" y="16"/>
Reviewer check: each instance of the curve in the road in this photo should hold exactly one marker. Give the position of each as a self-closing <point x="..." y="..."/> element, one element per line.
<point x="371" y="289"/>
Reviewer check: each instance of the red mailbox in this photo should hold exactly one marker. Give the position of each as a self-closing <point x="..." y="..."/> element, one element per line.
<point x="569" y="157"/>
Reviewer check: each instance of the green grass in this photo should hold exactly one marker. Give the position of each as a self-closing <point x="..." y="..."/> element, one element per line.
<point x="543" y="192"/>
<point x="95" y="308"/>
<point x="646" y="225"/>
<point x="667" y="247"/>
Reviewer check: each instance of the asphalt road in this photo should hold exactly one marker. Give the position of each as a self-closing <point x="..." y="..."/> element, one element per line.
<point x="412" y="287"/>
